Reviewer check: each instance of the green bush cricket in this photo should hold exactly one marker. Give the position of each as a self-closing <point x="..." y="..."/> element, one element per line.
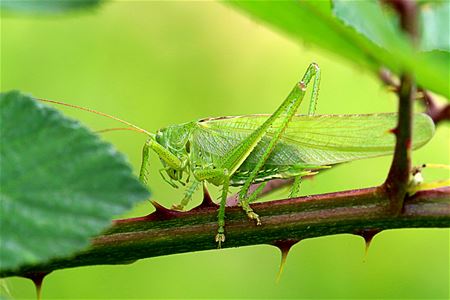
<point x="249" y="149"/>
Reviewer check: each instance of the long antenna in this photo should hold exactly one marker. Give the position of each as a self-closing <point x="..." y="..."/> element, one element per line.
<point x="98" y="113"/>
<point x="117" y="129"/>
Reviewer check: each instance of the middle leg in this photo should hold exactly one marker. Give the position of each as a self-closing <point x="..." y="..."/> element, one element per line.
<point x="219" y="177"/>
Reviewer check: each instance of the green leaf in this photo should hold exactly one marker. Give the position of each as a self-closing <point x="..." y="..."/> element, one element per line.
<point x="309" y="22"/>
<point x="47" y="6"/>
<point x="434" y="26"/>
<point x="363" y="34"/>
<point x="368" y="19"/>
<point x="60" y="184"/>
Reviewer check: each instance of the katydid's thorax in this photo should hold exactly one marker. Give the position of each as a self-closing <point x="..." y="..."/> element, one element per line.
<point x="176" y="139"/>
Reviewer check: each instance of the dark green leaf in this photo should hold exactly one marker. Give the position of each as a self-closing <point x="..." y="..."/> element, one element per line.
<point x="367" y="18"/>
<point x="370" y="20"/>
<point x="363" y="35"/>
<point x="434" y="26"/>
<point x="434" y="66"/>
<point x="60" y="185"/>
<point x="48" y="6"/>
<point x="307" y="21"/>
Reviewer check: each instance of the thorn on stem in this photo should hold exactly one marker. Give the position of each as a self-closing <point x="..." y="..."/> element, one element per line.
<point x="387" y="78"/>
<point x="37" y="278"/>
<point x="393" y="131"/>
<point x="367" y="235"/>
<point x="284" y="246"/>
<point x="161" y="213"/>
<point x="207" y="201"/>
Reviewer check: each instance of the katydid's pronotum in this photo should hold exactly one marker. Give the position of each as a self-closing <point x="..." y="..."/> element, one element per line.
<point x="243" y="150"/>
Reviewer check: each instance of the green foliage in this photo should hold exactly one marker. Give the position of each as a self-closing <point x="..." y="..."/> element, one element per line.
<point x="434" y="26"/>
<point x="369" y="19"/>
<point x="60" y="185"/>
<point x="48" y="6"/>
<point x="362" y="32"/>
<point x="167" y="70"/>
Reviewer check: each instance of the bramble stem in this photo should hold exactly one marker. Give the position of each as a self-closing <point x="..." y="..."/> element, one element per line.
<point x="396" y="183"/>
<point x="167" y="232"/>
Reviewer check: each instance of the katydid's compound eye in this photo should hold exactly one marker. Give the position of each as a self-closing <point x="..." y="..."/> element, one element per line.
<point x="159" y="136"/>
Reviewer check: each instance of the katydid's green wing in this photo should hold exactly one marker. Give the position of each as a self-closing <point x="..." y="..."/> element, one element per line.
<point x="312" y="140"/>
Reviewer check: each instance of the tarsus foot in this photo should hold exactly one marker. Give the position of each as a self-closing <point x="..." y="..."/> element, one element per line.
<point x="220" y="238"/>
<point x="253" y="216"/>
<point x="178" y="207"/>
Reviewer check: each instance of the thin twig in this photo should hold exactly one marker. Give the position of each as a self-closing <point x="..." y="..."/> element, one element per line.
<point x="389" y="80"/>
<point x="407" y="11"/>
<point x="437" y="113"/>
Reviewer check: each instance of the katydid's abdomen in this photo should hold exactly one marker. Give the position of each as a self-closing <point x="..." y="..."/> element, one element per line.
<point x="307" y="143"/>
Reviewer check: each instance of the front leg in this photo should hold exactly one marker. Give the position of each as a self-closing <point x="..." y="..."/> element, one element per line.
<point x="170" y="159"/>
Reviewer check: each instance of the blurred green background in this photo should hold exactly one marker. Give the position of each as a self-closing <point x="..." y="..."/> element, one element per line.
<point x="161" y="63"/>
